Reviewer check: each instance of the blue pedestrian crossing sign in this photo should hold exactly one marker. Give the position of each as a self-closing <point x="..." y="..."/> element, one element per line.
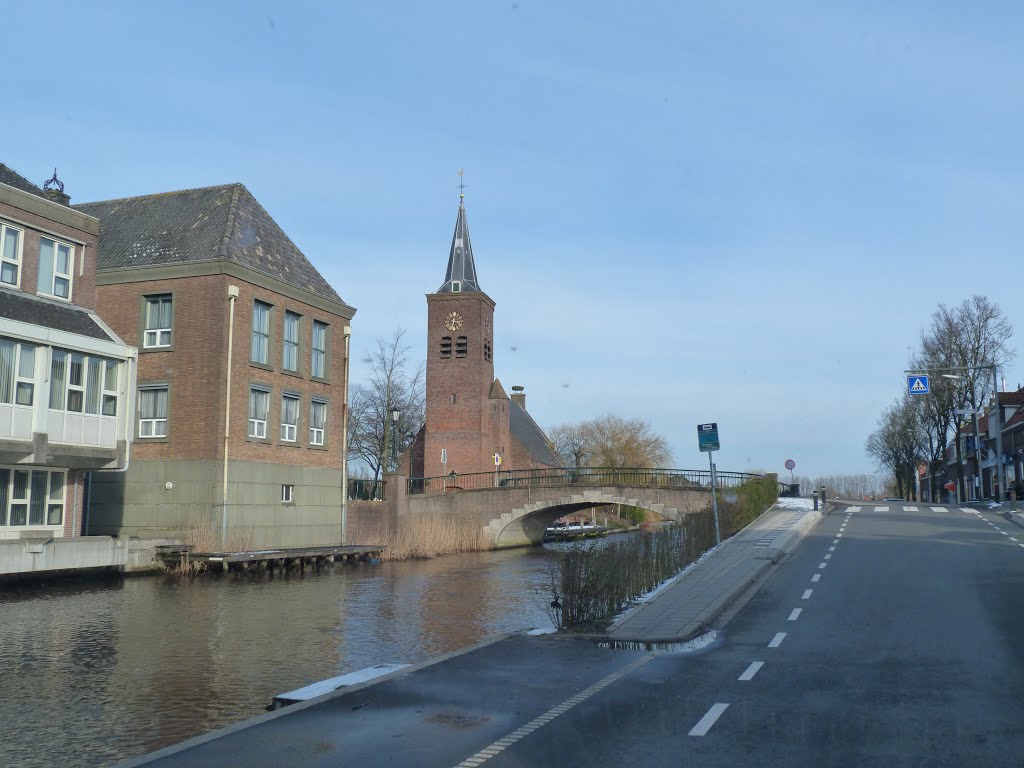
<point x="917" y="384"/>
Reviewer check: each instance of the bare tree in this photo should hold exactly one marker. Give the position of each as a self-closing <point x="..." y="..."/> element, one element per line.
<point x="897" y="443"/>
<point x="572" y="443"/>
<point x="391" y="386"/>
<point x="965" y="338"/>
<point x="618" y="442"/>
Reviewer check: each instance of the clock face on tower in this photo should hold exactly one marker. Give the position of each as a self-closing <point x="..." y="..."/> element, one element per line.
<point x="453" y="321"/>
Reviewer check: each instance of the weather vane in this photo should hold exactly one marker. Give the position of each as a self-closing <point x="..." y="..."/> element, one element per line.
<point x="462" y="186"/>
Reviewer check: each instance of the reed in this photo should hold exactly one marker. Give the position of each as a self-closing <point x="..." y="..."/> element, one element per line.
<point x="422" y="536"/>
<point x="204" y="536"/>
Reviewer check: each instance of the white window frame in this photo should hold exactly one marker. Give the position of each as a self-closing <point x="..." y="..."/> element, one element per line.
<point x="109" y="389"/>
<point x="154" y="423"/>
<point x="19" y="381"/>
<point x="69" y="388"/>
<point x="290" y="431"/>
<point x="16" y="261"/>
<point x="317" y="434"/>
<point x="291" y="345"/>
<point x="260" y="335"/>
<point x="318" y="354"/>
<point x="54" y="497"/>
<point x="287" y="493"/>
<point x="258" y="426"/>
<point x="158" y="336"/>
<point x="51" y="290"/>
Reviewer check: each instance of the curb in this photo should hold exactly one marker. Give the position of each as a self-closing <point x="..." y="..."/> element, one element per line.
<point x="795" y="535"/>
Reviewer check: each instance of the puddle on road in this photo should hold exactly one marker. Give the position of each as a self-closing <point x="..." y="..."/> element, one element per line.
<point x="703" y="642"/>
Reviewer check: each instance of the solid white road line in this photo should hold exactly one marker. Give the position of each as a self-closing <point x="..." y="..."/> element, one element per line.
<point x="795" y="614"/>
<point x="807" y="594"/>
<point x="816" y="577"/>
<point x="751" y="670"/>
<point x="493" y="749"/>
<point x="777" y="640"/>
<point x="705" y="723"/>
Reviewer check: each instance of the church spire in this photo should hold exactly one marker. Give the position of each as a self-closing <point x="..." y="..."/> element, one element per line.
<point x="461" y="274"/>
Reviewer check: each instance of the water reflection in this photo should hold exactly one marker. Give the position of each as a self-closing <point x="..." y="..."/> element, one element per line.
<point x="94" y="673"/>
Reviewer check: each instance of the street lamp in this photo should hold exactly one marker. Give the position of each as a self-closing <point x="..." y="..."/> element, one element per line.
<point x="395" y="413"/>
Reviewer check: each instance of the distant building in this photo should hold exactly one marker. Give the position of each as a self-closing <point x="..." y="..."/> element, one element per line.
<point x="186" y="276"/>
<point x="66" y="379"/>
<point x="469" y="417"/>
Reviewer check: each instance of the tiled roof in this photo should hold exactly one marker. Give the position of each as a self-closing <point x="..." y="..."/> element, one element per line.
<point x="16" y="180"/>
<point x="197" y="225"/>
<point x="526" y="431"/>
<point x="26" y="308"/>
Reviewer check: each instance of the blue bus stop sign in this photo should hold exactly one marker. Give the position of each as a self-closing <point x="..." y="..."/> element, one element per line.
<point x="917" y="384"/>
<point x="707" y="437"/>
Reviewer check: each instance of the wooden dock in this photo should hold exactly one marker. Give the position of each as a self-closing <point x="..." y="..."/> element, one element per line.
<point x="290" y="559"/>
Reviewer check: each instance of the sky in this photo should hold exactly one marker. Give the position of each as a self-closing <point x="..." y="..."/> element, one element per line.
<point x="686" y="212"/>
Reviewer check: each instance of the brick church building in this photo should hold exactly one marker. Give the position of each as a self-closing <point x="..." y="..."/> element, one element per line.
<point x="469" y="417"/>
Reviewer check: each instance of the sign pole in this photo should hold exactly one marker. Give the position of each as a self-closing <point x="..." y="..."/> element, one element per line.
<point x="714" y="497"/>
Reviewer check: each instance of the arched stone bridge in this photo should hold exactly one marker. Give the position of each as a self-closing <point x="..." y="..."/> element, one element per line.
<point x="514" y="508"/>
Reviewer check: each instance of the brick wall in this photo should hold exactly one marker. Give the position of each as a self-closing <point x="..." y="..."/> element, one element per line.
<point x="195" y="370"/>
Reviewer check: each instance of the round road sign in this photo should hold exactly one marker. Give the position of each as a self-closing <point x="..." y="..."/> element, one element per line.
<point x="790" y="465"/>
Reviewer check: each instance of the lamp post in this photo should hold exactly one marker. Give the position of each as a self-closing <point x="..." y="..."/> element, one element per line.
<point x="395" y="413"/>
<point x="994" y="424"/>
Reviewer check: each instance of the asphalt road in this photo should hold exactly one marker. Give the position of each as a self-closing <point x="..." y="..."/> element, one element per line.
<point x="893" y="636"/>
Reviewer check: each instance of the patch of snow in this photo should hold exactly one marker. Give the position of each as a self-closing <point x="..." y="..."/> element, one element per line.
<point x="788" y="503"/>
<point x="542" y="631"/>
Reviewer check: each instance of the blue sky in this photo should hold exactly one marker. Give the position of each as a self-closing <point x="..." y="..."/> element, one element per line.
<point x="686" y="211"/>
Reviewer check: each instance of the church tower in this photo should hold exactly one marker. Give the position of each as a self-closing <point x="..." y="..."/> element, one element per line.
<point x="467" y="411"/>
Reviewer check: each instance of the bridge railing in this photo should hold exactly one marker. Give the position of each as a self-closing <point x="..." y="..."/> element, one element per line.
<point x="655" y="478"/>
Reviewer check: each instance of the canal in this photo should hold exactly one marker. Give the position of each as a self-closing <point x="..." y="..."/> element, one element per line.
<point x="97" y="672"/>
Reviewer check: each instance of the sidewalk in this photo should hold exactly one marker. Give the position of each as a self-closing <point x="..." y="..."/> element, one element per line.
<point x="701" y="594"/>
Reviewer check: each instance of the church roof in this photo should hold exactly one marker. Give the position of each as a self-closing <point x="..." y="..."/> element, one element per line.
<point x="195" y="225"/>
<point x="461" y="274"/>
<point x="531" y="436"/>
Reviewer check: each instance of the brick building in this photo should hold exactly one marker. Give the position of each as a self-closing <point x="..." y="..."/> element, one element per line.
<point x="66" y="379"/>
<point x="242" y="371"/>
<point x="469" y="416"/>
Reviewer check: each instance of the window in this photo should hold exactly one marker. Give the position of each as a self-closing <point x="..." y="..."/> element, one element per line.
<point x="456" y="286"/>
<point x="287" y="494"/>
<point x="153" y="411"/>
<point x="110" y="375"/>
<point x="55" y="262"/>
<point x="461" y="346"/>
<point x="259" y="409"/>
<point x="83" y="383"/>
<point x="17" y="372"/>
<point x="157" y="332"/>
<point x="76" y="383"/>
<point x="319" y="358"/>
<point x="446" y="347"/>
<point x="10" y="254"/>
<point x="317" y="422"/>
<point x="31" y="497"/>
<point x="289" y="418"/>
<point x="290" y="361"/>
<point x="260" y="333"/>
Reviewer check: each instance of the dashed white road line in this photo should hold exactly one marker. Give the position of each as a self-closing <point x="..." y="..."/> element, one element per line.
<point x="705" y="723"/>
<point x="1012" y="539"/>
<point x="839" y="535"/>
<point x="751" y="671"/>
<point x="816" y="577"/>
<point x="807" y="594"/>
<point x="938" y="509"/>
<point x="910" y="509"/>
<point x="831" y="549"/>
<point x="828" y="557"/>
<point x="777" y="640"/>
<point x="881" y="509"/>
<point x="795" y="614"/>
<point x="821" y="565"/>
